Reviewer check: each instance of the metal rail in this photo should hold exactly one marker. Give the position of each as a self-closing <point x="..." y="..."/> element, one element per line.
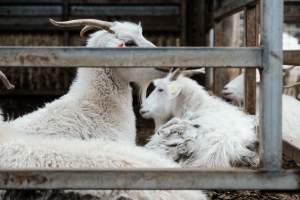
<point x="150" y="179"/>
<point x="137" y="57"/>
<point x="271" y="86"/>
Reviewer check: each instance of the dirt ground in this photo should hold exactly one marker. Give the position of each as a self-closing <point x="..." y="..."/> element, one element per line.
<point x="258" y="195"/>
<point x="252" y="195"/>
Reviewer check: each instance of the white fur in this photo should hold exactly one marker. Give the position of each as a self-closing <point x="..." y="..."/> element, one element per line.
<point x="98" y="107"/>
<point x="234" y="91"/>
<point x="46" y="152"/>
<point x="99" y="103"/>
<point x="223" y="135"/>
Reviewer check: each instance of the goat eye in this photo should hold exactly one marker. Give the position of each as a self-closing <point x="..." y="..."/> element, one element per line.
<point x="196" y="126"/>
<point x="150" y="89"/>
<point x="160" y="90"/>
<point x="130" y="43"/>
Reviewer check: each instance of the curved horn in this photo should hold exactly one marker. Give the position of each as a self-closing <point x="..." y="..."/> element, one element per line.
<point x="85" y="29"/>
<point x="5" y="81"/>
<point x="174" y="75"/>
<point x="192" y="72"/>
<point x="292" y="85"/>
<point x="82" y="22"/>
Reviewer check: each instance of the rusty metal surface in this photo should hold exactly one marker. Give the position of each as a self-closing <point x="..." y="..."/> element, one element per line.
<point x="131" y="57"/>
<point x="270" y="107"/>
<point x="150" y="179"/>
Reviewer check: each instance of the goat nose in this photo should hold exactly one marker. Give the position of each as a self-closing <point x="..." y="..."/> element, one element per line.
<point x="142" y="111"/>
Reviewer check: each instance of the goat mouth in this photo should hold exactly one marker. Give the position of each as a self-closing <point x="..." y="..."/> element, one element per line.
<point x="226" y="94"/>
<point x="145" y="114"/>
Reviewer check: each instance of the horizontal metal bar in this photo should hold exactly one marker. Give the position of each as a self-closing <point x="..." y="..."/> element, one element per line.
<point x="131" y="57"/>
<point x="150" y="179"/>
<point x="291" y="57"/>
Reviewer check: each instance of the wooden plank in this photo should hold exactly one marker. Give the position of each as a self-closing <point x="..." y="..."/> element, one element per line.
<point x="219" y="76"/>
<point x="196" y="23"/>
<point x="229" y="7"/>
<point x="251" y="33"/>
<point x="224" y="36"/>
<point x="28" y="17"/>
<point x="292" y="13"/>
<point x="291" y="57"/>
<point x="183" y="20"/>
<point x="291" y="148"/>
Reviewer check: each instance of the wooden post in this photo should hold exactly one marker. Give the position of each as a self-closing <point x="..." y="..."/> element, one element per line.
<point x="220" y="75"/>
<point x="225" y="35"/>
<point x="252" y="19"/>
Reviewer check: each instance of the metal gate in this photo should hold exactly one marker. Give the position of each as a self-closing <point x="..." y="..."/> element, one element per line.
<point x="267" y="57"/>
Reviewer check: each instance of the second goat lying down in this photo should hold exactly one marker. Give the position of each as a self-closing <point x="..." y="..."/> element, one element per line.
<point x="205" y="131"/>
<point x="234" y="92"/>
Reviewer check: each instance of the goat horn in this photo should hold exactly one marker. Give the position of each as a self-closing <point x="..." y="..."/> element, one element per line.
<point x="292" y="85"/>
<point x="85" y="29"/>
<point x="83" y="22"/>
<point x="176" y="73"/>
<point x="192" y="72"/>
<point x="5" y="81"/>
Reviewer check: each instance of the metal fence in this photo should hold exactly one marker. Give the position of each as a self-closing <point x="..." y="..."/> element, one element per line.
<point x="268" y="58"/>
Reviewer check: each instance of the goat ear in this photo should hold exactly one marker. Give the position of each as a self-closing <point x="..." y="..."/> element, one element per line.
<point x="257" y="76"/>
<point x="173" y="90"/>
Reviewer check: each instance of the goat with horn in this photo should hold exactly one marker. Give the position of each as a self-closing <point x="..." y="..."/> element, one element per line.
<point x="96" y="110"/>
<point x="193" y="127"/>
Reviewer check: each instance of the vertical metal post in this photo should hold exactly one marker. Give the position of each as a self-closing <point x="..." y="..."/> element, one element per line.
<point x="271" y="85"/>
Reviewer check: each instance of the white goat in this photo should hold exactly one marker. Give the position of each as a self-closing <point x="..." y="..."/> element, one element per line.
<point x="99" y="102"/>
<point x="99" y="106"/>
<point x="234" y="91"/>
<point x="40" y="152"/>
<point x="206" y="131"/>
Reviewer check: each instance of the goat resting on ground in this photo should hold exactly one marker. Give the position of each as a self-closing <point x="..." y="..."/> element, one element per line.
<point x="97" y="109"/>
<point x="203" y="131"/>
